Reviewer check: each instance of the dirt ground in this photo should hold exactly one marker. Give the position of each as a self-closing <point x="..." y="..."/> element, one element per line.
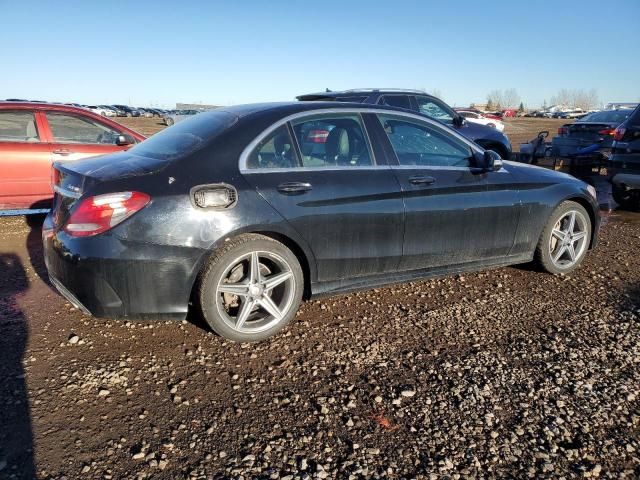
<point x="519" y="130"/>
<point x="506" y="374"/>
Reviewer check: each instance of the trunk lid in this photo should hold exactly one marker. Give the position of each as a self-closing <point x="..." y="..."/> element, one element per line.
<point x="590" y="131"/>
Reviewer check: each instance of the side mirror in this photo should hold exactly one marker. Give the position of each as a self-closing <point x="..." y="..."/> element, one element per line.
<point x="122" y="140"/>
<point x="458" y="121"/>
<point x="488" y="160"/>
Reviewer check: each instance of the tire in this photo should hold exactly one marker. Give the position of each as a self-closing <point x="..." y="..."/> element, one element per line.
<point x="169" y="121"/>
<point x="129" y="115"/>
<point x="243" y="312"/>
<point x="558" y="235"/>
<point x="625" y="198"/>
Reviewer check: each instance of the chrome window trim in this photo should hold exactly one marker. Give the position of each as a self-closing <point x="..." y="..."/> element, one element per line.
<point x="244" y="156"/>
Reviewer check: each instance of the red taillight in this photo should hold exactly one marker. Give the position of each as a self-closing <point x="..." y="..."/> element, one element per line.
<point x="98" y="214"/>
<point x="618" y="133"/>
<point x="606" y="131"/>
<point x="563" y="131"/>
<point x="318" y="136"/>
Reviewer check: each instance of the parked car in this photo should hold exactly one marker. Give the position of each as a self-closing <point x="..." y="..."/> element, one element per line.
<point x="128" y="111"/>
<point x="425" y="104"/>
<point x="32" y="136"/>
<point x="594" y="128"/>
<point x="99" y="110"/>
<point x="109" y="110"/>
<point x="145" y="112"/>
<point x="481" y="119"/>
<point x="225" y="210"/>
<point x="178" y="115"/>
<point x="624" y="163"/>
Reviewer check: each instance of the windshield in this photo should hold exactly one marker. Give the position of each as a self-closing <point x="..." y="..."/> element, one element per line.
<point x="608" y="116"/>
<point x="185" y="137"/>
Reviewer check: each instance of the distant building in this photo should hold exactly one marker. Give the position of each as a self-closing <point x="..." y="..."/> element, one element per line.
<point x="195" y="106"/>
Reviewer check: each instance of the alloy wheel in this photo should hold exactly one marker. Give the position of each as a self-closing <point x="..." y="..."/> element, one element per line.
<point x="568" y="240"/>
<point x="256" y="291"/>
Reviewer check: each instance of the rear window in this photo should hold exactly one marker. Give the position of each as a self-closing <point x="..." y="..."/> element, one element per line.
<point x="18" y="126"/>
<point x="185" y="137"/>
<point x="608" y="116"/>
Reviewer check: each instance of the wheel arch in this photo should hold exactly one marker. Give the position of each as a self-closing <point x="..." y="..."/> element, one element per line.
<point x="588" y="206"/>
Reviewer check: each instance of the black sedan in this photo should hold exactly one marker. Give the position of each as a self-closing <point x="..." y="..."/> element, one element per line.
<point x="244" y="211"/>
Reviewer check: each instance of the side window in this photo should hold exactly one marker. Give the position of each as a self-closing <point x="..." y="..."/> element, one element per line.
<point x="275" y="151"/>
<point x="434" y="109"/>
<point x="329" y="141"/>
<point x="400" y="101"/>
<point x="18" y="126"/>
<point x="424" y="146"/>
<point x="68" y="128"/>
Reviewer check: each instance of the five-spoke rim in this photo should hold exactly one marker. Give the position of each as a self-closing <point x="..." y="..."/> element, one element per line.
<point x="255" y="292"/>
<point x="568" y="239"/>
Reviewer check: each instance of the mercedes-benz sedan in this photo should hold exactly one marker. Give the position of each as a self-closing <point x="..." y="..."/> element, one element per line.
<point x="244" y="211"/>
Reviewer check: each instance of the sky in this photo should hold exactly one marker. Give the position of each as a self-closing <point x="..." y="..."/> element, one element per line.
<point x="157" y="53"/>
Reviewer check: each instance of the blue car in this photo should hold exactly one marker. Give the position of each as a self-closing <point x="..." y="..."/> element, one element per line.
<point x="418" y="101"/>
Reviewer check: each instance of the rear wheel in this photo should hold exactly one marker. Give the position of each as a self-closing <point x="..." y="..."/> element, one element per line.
<point x="565" y="239"/>
<point x="251" y="288"/>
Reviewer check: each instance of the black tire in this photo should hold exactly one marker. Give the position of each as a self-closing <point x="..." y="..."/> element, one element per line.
<point x="220" y="262"/>
<point x="625" y="198"/>
<point x="542" y="256"/>
<point x="169" y="121"/>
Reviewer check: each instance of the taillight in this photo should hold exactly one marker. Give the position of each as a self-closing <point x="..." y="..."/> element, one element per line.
<point x="318" y="136"/>
<point x="618" y="133"/>
<point x="606" y="131"/>
<point x="98" y="214"/>
<point x="563" y="131"/>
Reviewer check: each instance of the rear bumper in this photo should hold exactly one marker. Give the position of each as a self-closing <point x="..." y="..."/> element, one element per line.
<point x="106" y="276"/>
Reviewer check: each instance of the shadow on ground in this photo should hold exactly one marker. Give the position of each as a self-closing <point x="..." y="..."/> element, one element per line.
<point x="16" y="439"/>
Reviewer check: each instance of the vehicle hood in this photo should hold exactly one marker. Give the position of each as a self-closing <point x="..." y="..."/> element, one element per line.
<point x="524" y="171"/>
<point x="476" y="131"/>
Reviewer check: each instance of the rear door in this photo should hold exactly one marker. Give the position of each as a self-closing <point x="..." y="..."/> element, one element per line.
<point x="454" y="213"/>
<point x="74" y="136"/>
<point x="321" y="174"/>
<point x="25" y="164"/>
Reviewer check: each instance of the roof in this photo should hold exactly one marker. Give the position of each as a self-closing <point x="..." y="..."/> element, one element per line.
<point x="288" y="108"/>
<point x="358" y="91"/>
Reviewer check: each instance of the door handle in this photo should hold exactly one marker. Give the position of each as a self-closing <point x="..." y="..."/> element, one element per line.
<point x="63" y="151"/>
<point x="421" y="180"/>
<point x="294" y="187"/>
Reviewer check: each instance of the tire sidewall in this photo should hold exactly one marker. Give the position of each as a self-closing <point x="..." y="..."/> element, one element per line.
<point x="220" y="263"/>
<point x="558" y="213"/>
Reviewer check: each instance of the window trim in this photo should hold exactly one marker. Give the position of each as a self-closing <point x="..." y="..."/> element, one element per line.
<point x="244" y="156"/>
<point x="34" y="115"/>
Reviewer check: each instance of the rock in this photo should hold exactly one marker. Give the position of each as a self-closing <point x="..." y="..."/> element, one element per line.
<point x="408" y="393"/>
<point x="73" y="339"/>
<point x="103" y="392"/>
<point x="138" y="456"/>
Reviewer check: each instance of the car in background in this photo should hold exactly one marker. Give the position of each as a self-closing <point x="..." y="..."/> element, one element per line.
<point x="624" y="163"/>
<point x="479" y="118"/>
<point x="425" y="104"/>
<point x="254" y="220"/>
<point x="593" y="129"/>
<point x="178" y="115"/>
<point x="100" y="110"/>
<point x="33" y="136"/>
<point x="128" y="111"/>
<point x="109" y="110"/>
<point x="145" y="112"/>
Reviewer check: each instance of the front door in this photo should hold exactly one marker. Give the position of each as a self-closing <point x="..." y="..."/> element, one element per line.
<point x="452" y="216"/>
<point x="320" y="174"/>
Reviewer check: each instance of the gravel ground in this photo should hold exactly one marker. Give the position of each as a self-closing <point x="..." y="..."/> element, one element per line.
<point x="503" y="374"/>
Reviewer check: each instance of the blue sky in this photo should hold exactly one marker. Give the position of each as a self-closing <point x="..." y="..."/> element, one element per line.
<point x="162" y="52"/>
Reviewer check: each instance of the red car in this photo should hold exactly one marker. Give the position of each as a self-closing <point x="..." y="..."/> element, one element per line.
<point x="34" y="135"/>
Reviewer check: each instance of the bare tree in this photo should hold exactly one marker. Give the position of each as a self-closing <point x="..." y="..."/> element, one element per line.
<point x="578" y="98"/>
<point x="435" y="92"/>
<point x="510" y="98"/>
<point x="496" y="99"/>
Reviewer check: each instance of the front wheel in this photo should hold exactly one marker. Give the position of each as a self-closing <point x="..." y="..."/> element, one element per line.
<point x="565" y="239"/>
<point x="251" y="288"/>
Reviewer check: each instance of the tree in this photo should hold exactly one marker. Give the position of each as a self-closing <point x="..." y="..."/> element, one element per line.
<point x="510" y="98"/>
<point x="521" y="107"/>
<point x="578" y="98"/>
<point x="489" y="104"/>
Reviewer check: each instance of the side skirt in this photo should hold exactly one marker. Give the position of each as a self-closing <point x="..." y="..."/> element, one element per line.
<point x="380" y="280"/>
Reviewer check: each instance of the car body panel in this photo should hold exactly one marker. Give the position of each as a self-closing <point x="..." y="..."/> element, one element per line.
<point x="624" y="164"/>
<point x="148" y="265"/>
